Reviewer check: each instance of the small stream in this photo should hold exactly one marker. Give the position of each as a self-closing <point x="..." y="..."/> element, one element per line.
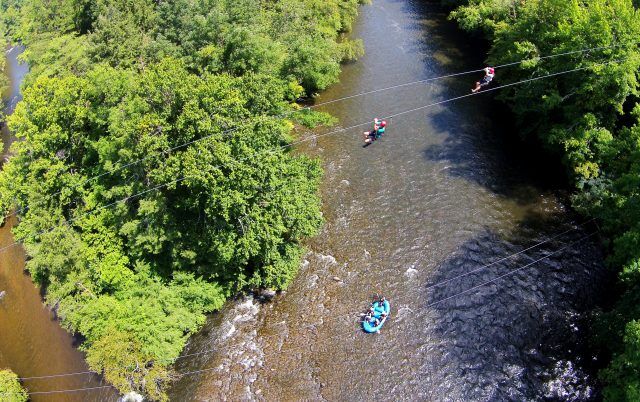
<point x="32" y="343"/>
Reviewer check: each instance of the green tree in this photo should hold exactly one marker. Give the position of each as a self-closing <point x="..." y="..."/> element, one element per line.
<point x="10" y="388"/>
<point x="623" y="374"/>
<point x="152" y="267"/>
<point x="115" y="89"/>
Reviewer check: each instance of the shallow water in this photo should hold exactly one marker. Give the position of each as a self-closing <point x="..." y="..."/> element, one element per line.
<point x="442" y="194"/>
<point x="32" y="343"/>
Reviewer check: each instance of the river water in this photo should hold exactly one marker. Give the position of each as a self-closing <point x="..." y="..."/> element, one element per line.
<point x="32" y="343"/>
<point x="442" y="194"/>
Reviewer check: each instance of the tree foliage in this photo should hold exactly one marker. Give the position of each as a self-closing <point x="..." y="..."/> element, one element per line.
<point x="591" y="118"/>
<point x="10" y="388"/>
<point x="296" y="40"/>
<point x="134" y="236"/>
<point x="4" y="85"/>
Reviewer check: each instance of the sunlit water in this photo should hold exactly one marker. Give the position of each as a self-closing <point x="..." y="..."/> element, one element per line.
<point x="442" y="194"/>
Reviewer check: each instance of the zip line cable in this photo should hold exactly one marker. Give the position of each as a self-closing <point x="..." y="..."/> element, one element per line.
<point x="464" y="73"/>
<point x="513" y="271"/>
<point x="508" y="257"/>
<point x="309" y="138"/>
<point x="325" y="339"/>
<point x="313" y="137"/>
<point x="562" y="54"/>
<point x="62" y="391"/>
<point x="247" y="122"/>
<point x="349" y="315"/>
<point x="57" y="375"/>
<point x="575" y="227"/>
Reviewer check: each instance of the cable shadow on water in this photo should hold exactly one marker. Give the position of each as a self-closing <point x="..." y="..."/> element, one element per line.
<point x="519" y="333"/>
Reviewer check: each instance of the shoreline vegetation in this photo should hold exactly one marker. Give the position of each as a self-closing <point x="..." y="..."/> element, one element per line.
<point x="589" y="119"/>
<point x="115" y="86"/>
<point x="10" y="388"/>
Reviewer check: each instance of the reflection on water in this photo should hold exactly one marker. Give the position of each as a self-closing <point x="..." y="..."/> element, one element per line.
<point x="441" y="195"/>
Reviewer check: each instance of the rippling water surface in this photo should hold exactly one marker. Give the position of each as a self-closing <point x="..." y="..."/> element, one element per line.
<point x="441" y="195"/>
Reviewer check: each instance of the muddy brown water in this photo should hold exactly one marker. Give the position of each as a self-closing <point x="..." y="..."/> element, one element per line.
<point x="32" y="343"/>
<point x="442" y="194"/>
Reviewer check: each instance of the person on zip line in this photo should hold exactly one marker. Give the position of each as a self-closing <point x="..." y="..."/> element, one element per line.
<point x="489" y="73"/>
<point x="379" y="127"/>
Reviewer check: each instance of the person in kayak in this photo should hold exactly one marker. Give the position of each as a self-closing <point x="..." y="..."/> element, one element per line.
<point x="381" y="302"/>
<point x="378" y="306"/>
<point x="489" y="73"/>
<point x="373" y="320"/>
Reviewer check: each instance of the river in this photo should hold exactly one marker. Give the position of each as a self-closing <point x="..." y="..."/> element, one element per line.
<point x="443" y="193"/>
<point x="32" y="343"/>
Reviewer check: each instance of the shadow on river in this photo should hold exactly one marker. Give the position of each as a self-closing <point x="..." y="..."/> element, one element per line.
<point x="445" y="192"/>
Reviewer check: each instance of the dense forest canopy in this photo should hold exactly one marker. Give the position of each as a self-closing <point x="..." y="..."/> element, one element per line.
<point x="4" y="79"/>
<point x="10" y="388"/>
<point x="295" y="40"/>
<point x="589" y="118"/>
<point x="134" y="236"/>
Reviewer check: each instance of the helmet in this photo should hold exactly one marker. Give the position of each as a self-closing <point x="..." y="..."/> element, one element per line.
<point x="491" y="70"/>
<point x="383" y="124"/>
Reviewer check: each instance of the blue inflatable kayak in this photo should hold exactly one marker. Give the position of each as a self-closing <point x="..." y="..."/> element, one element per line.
<point x="377" y="313"/>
